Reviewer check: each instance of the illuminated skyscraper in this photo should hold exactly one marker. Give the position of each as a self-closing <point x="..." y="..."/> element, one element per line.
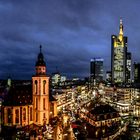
<point x="96" y="70"/>
<point x="136" y="72"/>
<point x="108" y="76"/>
<point x="119" y="56"/>
<point x="128" y="68"/>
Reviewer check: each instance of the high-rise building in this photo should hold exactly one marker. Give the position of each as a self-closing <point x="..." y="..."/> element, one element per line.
<point x="128" y="68"/>
<point x="118" y="56"/>
<point x="96" y="70"/>
<point x="108" y="76"/>
<point x="136" y="72"/>
<point x="56" y="77"/>
<point x="63" y="78"/>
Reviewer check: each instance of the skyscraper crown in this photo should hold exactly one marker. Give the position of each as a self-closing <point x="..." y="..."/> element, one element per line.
<point x="121" y="27"/>
<point x="121" y="30"/>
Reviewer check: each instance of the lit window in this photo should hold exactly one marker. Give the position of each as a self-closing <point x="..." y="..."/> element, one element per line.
<point x="17" y="115"/>
<point x="36" y="103"/>
<point x="24" y="114"/>
<point x="44" y="84"/>
<point x="36" y="86"/>
<point x="9" y="114"/>
<point x="36" y="117"/>
<point x="44" y="107"/>
<point x="44" y="115"/>
<point x="31" y="113"/>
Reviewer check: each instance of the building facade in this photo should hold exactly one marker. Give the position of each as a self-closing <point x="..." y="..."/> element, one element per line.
<point x="108" y="76"/>
<point x="136" y="72"/>
<point x="17" y="108"/>
<point x="24" y="105"/>
<point x="56" y="77"/>
<point x="96" y="70"/>
<point x="128" y="68"/>
<point x="119" y="56"/>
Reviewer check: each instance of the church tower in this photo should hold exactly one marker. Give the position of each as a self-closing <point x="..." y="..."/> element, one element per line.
<point x="40" y="83"/>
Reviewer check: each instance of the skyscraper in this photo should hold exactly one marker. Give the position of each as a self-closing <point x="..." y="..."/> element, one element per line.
<point x="136" y="72"/>
<point x="118" y="56"/>
<point x="96" y="70"/>
<point x="108" y="76"/>
<point x="128" y="68"/>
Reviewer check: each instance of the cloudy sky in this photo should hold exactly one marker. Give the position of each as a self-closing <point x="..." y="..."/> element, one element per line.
<point x="70" y="31"/>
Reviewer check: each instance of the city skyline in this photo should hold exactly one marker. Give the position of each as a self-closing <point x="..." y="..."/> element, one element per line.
<point x="71" y="33"/>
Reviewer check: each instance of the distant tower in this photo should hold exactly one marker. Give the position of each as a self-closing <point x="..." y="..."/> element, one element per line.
<point x="136" y="72"/>
<point x="40" y="83"/>
<point x="96" y="70"/>
<point x="9" y="82"/>
<point x="128" y="68"/>
<point x="108" y="76"/>
<point x="119" y="56"/>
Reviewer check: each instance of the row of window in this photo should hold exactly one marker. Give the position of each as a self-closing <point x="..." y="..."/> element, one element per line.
<point x="44" y="103"/>
<point x="17" y="115"/>
<point x="23" y="114"/>
<point x="36" y="86"/>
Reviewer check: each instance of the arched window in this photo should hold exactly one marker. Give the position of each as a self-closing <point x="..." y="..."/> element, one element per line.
<point x="9" y="114"/>
<point x="24" y="114"/>
<point x="44" y="84"/>
<point x="31" y="114"/>
<point x="44" y="115"/>
<point x="36" y="86"/>
<point x="44" y="106"/>
<point x="17" y="115"/>
<point x="36" y="117"/>
<point x="36" y="103"/>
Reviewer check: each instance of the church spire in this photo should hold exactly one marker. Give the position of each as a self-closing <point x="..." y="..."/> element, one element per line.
<point x="40" y="48"/>
<point x="40" y="63"/>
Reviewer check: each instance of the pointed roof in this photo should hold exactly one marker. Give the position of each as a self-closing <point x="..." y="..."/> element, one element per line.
<point x="40" y="60"/>
<point x="18" y="95"/>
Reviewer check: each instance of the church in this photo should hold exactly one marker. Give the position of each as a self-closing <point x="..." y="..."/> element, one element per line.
<point x="24" y="105"/>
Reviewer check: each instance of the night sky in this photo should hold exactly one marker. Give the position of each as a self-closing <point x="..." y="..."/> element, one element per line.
<point x="70" y="31"/>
